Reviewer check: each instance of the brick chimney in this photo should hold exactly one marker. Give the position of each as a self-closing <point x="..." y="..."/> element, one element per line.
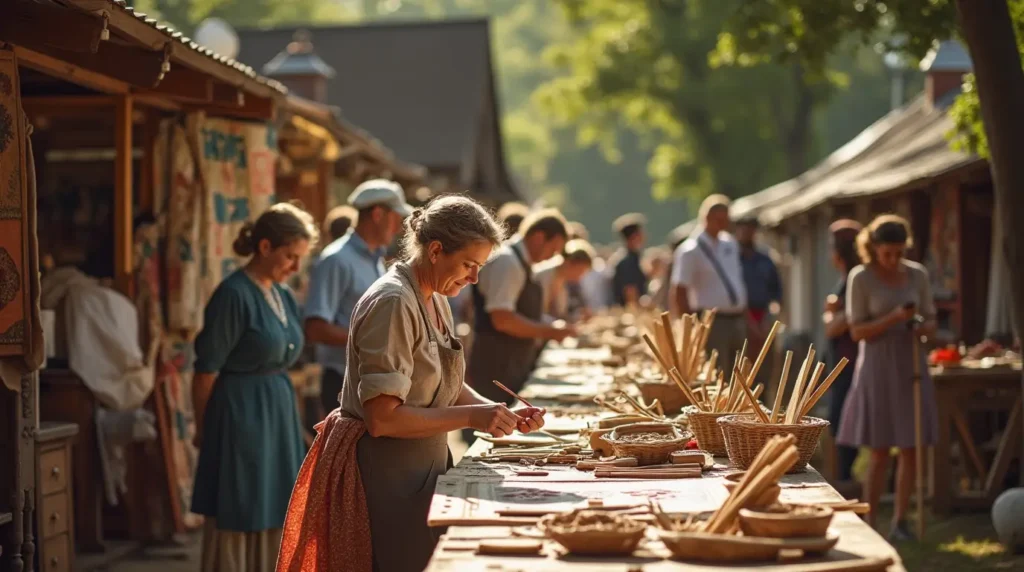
<point x="300" y="69"/>
<point x="945" y="67"/>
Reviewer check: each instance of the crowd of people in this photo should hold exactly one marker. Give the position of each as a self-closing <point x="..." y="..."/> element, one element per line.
<point x="396" y="379"/>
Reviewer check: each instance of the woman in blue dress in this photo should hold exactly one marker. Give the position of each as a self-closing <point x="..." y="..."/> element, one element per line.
<point x="250" y="440"/>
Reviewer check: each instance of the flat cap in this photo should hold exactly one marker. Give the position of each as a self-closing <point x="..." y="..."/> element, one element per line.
<point x="380" y="192"/>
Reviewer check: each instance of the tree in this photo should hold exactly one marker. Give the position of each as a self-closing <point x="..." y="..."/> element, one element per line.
<point x="715" y="123"/>
<point x="808" y="30"/>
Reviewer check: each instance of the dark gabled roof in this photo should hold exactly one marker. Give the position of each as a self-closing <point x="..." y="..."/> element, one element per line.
<point x="420" y="87"/>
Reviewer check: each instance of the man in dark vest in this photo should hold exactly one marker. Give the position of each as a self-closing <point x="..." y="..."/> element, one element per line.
<point x="508" y="306"/>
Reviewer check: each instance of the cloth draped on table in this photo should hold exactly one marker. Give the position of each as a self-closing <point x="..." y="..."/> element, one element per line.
<point x="328" y="524"/>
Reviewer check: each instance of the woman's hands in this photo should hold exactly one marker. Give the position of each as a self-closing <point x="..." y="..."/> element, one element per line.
<point x="500" y="421"/>
<point x="530" y="418"/>
<point x="833" y="303"/>
<point x="901" y="314"/>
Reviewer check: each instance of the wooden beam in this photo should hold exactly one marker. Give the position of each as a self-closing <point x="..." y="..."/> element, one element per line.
<point x="228" y="95"/>
<point x="256" y="108"/>
<point x="184" y="84"/>
<point x="47" y="25"/>
<point x="155" y="39"/>
<point x="123" y="215"/>
<point x="67" y="104"/>
<point x="150" y="132"/>
<point x="68" y="71"/>
<point x="140" y="68"/>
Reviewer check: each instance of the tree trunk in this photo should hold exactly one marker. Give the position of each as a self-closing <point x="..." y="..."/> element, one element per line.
<point x="999" y="77"/>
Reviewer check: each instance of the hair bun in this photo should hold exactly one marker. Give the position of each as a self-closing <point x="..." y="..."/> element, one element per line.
<point x="243" y="245"/>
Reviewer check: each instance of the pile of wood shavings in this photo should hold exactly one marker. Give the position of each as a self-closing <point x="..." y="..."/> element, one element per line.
<point x="593" y="521"/>
<point x="644" y="438"/>
<point x="792" y="509"/>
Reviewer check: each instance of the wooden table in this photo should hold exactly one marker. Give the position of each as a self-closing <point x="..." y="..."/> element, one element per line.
<point x="958" y="393"/>
<point x="468" y="498"/>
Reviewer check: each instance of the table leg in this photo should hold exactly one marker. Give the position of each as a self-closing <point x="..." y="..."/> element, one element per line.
<point x="968" y="442"/>
<point x="1009" y="448"/>
<point x="943" y="483"/>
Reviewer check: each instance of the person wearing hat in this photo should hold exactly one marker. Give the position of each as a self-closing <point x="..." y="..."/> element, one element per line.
<point x="345" y="270"/>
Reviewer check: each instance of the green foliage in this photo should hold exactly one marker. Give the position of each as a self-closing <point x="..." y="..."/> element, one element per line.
<point x="714" y="122"/>
<point x="186" y="14"/>
<point x="969" y="133"/>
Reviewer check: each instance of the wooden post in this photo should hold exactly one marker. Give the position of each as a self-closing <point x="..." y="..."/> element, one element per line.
<point x="123" y="195"/>
<point x="150" y="131"/>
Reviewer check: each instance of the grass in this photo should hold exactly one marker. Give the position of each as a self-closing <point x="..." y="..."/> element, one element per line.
<point x="960" y="543"/>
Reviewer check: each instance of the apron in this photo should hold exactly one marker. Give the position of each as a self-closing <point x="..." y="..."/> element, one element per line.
<point x="399" y="474"/>
<point x="499" y="356"/>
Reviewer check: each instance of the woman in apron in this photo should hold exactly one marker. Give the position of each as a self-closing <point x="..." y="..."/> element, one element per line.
<point x="362" y="496"/>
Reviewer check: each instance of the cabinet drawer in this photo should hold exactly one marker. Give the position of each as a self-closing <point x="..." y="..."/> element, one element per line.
<point x="55" y="555"/>
<point x="53" y="514"/>
<point x="53" y="471"/>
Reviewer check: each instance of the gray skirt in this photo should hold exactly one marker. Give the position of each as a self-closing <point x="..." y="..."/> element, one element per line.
<point x="879" y="410"/>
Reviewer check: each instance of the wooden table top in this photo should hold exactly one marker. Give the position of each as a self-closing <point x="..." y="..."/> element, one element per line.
<point x="473" y="500"/>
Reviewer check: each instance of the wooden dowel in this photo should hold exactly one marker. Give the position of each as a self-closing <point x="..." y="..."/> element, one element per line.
<point x="794" y="402"/>
<point x="670" y="337"/>
<point x="674" y="374"/>
<point x="820" y="392"/>
<point x="765" y="348"/>
<point x="752" y="400"/>
<point x="809" y="390"/>
<point x="782" y="386"/>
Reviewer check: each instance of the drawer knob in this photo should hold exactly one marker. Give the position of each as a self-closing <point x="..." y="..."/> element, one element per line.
<point x="55" y="472"/>
<point x="54" y="561"/>
<point x="55" y="516"/>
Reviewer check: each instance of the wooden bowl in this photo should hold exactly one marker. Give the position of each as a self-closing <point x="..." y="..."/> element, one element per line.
<point x="595" y="542"/>
<point x="705" y="547"/>
<point x="769" y="497"/>
<point x="779" y="521"/>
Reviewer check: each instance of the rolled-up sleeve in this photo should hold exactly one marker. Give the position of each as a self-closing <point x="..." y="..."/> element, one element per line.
<point x="384" y="342"/>
<point x="500" y="282"/>
<point x="326" y="283"/>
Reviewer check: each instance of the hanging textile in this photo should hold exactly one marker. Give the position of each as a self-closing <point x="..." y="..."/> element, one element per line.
<point x="21" y="336"/>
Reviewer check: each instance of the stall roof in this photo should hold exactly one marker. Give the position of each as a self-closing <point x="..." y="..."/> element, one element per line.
<point x="120" y="6"/>
<point x="907" y="146"/>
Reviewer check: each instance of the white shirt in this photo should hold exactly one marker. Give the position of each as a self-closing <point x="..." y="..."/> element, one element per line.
<point x="704" y="289"/>
<point x="556" y="303"/>
<point x="502" y="279"/>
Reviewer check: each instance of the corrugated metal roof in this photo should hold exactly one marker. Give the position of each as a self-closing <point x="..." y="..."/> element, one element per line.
<point x="182" y="39"/>
<point x="950" y="55"/>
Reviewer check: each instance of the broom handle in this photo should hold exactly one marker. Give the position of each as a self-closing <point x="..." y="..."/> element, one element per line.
<point x="918" y="437"/>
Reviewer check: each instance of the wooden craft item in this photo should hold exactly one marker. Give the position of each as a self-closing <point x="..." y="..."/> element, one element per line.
<point x="509" y="547"/>
<point x="590" y="465"/>
<point x="687" y="457"/>
<point x="782" y="386"/>
<point x="802" y="522"/>
<point x="511" y="393"/>
<point x="825" y="385"/>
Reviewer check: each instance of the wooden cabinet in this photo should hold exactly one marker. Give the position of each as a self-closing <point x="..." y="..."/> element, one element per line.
<point x="54" y="508"/>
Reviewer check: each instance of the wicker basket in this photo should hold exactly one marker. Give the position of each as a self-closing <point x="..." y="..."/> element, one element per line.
<point x="745" y="436"/>
<point x="595" y="542"/>
<point x="648" y="453"/>
<point x="668" y="394"/>
<point x="706" y="430"/>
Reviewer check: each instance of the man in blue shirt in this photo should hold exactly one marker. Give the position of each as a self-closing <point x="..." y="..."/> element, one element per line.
<point x="629" y="283"/>
<point x="345" y="270"/>
<point x="764" y="288"/>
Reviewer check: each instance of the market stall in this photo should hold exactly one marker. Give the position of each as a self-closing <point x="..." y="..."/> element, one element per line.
<point x="622" y="477"/>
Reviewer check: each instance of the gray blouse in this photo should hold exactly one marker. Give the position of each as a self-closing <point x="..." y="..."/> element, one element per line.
<point x="389" y="349"/>
<point x="868" y="298"/>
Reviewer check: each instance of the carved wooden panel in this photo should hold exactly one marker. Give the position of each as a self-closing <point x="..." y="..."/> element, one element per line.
<point x="14" y="298"/>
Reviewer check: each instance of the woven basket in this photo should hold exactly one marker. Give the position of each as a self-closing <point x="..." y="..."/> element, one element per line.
<point x="706" y="430"/>
<point x="745" y="436"/>
<point x="648" y="453"/>
<point x="668" y="394"/>
<point x="595" y="542"/>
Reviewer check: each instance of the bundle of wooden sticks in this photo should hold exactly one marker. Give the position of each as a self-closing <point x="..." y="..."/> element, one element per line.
<point x="777" y="457"/>
<point x="686" y="366"/>
<point x="682" y="363"/>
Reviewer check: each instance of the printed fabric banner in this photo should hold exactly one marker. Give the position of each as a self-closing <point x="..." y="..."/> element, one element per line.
<point x="222" y="176"/>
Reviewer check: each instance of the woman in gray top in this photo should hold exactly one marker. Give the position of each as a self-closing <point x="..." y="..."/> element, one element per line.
<point x="882" y="297"/>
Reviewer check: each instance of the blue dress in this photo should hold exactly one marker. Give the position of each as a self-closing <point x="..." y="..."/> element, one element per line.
<point x="252" y="446"/>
